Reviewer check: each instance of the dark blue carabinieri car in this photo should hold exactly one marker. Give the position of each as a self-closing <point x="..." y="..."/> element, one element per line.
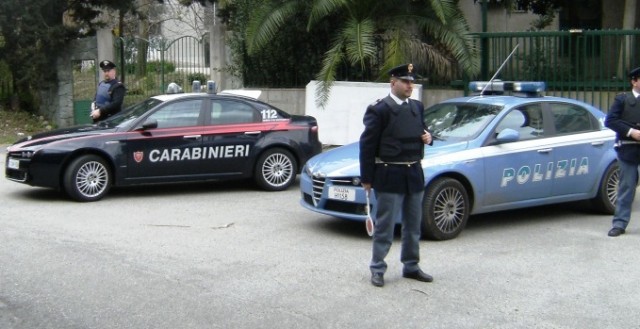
<point x="170" y="138"/>
<point x="495" y="151"/>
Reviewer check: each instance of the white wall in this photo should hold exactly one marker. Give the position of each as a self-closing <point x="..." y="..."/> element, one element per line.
<point x="340" y="121"/>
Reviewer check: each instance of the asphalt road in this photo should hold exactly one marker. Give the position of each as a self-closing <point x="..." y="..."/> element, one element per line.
<point x="225" y="255"/>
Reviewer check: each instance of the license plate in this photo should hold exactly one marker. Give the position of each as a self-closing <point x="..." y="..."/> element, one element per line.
<point x="342" y="193"/>
<point x="13" y="164"/>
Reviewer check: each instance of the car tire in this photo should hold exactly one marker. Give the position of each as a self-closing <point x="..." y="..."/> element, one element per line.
<point x="605" y="200"/>
<point x="446" y="209"/>
<point x="276" y="170"/>
<point x="87" y="178"/>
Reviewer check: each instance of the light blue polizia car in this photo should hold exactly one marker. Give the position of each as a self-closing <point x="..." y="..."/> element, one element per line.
<point x="495" y="151"/>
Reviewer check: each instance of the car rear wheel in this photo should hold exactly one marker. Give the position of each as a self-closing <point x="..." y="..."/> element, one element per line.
<point x="605" y="201"/>
<point x="446" y="209"/>
<point x="275" y="170"/>
<point x="87" y="178"/>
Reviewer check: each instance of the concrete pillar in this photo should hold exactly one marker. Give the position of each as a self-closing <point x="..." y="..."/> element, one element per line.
<point x="105" y="49"/>
<point x="105" y="45"/>
<point x="217" y="51"/>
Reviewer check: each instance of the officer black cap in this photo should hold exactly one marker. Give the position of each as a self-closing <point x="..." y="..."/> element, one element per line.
<point x="107" y="65"/>
<point x="404" y="71"/>
<point x="635" y="73"/>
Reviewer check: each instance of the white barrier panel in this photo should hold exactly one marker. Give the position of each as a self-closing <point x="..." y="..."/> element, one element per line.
<point x="340" y="121"/>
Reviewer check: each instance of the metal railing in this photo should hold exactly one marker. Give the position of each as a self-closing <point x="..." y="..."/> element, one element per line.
<point x="588" y="65"/>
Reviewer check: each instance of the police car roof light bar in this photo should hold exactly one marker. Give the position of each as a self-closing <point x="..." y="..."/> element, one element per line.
<point x="211" y="87"/>
<point x="523" y="88"/>
<point x="196" y="86"/>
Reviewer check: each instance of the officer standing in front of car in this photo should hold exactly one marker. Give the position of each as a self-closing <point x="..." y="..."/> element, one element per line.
<point x="110" y="94"/>
<point x="624" y="118"/>
<point x="391" y="148"/>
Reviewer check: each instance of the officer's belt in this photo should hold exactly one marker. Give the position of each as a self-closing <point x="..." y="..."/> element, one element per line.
<point x="397" y="163"/>
<point x="627" y="142"/>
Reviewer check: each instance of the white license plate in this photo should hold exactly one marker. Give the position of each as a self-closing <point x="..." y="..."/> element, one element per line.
<point x="342" y="193"/>
<point x="13" y="164"/>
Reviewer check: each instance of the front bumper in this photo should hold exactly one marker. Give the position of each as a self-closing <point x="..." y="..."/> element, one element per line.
<point x="315" y="197"/>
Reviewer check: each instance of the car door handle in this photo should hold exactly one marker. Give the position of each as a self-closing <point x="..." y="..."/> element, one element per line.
<point x="257" y="132"/>
<point x="545" y="150"/>
<point x="194" y="137"/>
<point x="600" y="143"/>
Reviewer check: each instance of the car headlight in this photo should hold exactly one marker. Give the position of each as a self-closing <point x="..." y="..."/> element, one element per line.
<point x="356" y="181"/>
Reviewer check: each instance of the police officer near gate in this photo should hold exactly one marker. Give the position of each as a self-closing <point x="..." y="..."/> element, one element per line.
<point x="391" y="148"/>
<point x="110" y="94"/>
<point x="624" y="118"/>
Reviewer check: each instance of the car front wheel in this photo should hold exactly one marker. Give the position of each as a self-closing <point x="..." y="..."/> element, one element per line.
<point x="275" y="170"/>
<point x="446" y="209"/>
<point x="87" y="178"/>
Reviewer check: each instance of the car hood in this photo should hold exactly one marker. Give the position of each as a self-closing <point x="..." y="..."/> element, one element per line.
<point x="344" y="161"/>
<point x="61" y="134"/>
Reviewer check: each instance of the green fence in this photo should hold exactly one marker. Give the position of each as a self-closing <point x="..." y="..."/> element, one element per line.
<point x="588" y="65"/>
<point x="582" y="64"/>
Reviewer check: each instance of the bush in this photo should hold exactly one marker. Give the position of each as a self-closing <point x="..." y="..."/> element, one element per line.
<point x="157" y="66"/>
<point x="197" y="76"/>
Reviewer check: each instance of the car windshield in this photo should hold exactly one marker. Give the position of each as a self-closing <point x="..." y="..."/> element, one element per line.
<point x="130" y="113"/>
<point x="455" y="122"/>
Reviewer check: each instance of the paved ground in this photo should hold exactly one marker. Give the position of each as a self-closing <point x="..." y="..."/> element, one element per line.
<point x="230" y="256"/>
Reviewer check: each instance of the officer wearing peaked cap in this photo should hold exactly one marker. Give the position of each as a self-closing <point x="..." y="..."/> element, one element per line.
<point x="110" y="94"/>
<point x="391" y="148"/>
<point x="624" y="118"/>
<point x="107" y="64"/>
<point x="405" y="72"/>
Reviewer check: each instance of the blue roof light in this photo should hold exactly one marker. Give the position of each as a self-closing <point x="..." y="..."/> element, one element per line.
<point x="520" y="88"/>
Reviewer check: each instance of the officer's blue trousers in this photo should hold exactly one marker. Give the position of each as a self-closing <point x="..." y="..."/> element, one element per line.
<point x="626" y="193"/>
<point x="389" y="207"/>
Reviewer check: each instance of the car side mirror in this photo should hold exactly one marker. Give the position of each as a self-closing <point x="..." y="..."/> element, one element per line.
<point x="508" y="135"/>
<point x="150" y="124"/>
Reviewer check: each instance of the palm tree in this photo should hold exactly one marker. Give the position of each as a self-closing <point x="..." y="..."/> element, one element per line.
<point x="433" y="34"/>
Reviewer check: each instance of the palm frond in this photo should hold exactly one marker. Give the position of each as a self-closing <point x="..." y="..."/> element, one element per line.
<point x="442" y="9"/>
<point x="454" y="36"/>
<point x="327" y="74"/>
<point x="394" y="50"/>
<point x="323" y="8"/>
<point x="266" y="21"/>
<point x="359" y="40"/>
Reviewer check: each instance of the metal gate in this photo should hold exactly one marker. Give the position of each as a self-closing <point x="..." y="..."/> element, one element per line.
<point x="150" y="65"/>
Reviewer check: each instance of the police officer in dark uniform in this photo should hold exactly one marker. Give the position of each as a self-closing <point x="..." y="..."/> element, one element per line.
<point x="391" y="148"/>
<point x="624" y="118"/>
<point x="110" y="94"/>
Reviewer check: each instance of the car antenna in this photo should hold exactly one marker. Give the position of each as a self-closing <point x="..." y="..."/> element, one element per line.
<point x="499" y="69"/>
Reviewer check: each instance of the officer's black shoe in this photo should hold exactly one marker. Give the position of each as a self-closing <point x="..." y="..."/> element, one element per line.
<point x="616" y="231"/>
<point x="377" y="279"/>
<point x="418" y="275"/>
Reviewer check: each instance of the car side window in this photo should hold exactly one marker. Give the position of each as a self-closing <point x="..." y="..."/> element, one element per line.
<point x="533" y="126"/>
<point x="513" y="120"/>
<point x="178" y="114"/>
<point x="569" y="118"/>
<point x="526" y="120"/>
<point x="231" y="112"/>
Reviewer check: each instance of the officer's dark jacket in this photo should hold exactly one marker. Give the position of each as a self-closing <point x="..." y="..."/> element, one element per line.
<point x="392" y="134"/>
<point x="623" y="115"/>
<point x="109" y="97"/>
